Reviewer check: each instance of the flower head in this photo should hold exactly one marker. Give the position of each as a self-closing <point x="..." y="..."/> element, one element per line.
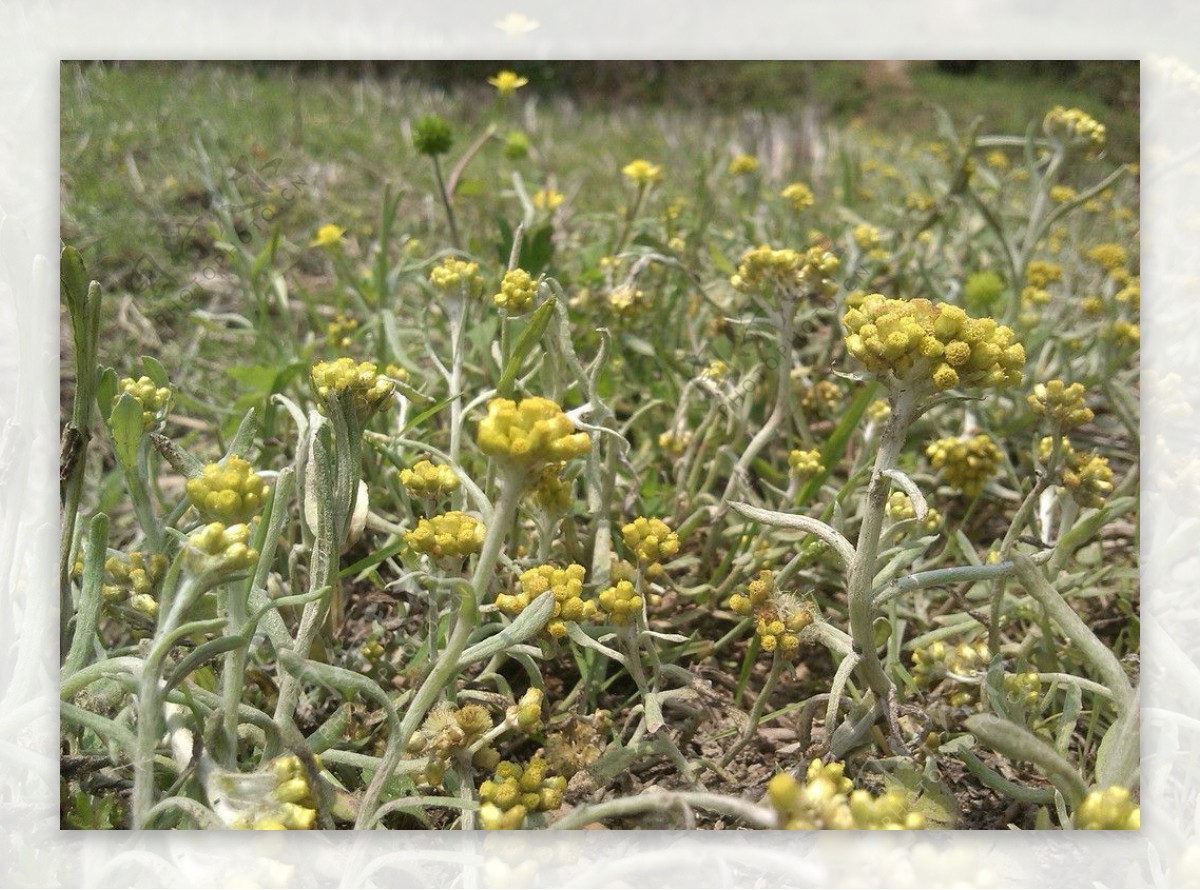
<point x="432" y="135"/>
<point x="547" y="199"/>
<point x="359" y="382"/>
<point x="1063" y="404"/>
<point x="805" y="464"/>
<point x="621" y="602"/>
<point x="1107" y="809"/>
<point x="429" y="480"/>
<point x="518" y="290"/>
<point x="530" y="433"/>
<point x="567" y="586"/>
<point x="449" y="536"/>
<point x="983" y="290"/>
<point x="743" y="165"/>
<point x="799" y="195"/>
<point x="650" y="539"/>
<point x="642" y="173"/>
<point x="457" y="278"/>
<point x="935" y="346"/>
<point x="766" y="270"/>
<point x="329" y="235"/>
<point x="231" y="493"/>
<point x="220" y="549"/>
<point x="507" y="83"/>
<point x="967" y="463"/>
<point x="514" y="791"/>
<point x="1074" y="127"/>
<point x="156" y="400"/>
<point x="828" y="800"/>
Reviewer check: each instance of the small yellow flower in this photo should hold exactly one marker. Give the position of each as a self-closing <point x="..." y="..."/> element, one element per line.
<point x="507" y="83"/>
<point x="328" y="236"/>
<point x="621" y="602"/>
<point x="518" y="290"/>
<point x="997" y="160"/>
<point x="429" y="480"/>
<point x="642" y="173"/>
<point x="966" y="463"/>
<point x="567" y="586"/>
<point x="1108" y="257"/>
<point x="867" y="237"/>
<point x="1108" y="809"/>
<point x="650" y="539"/>
<point x="1041" y="273"/>
<point x="1064" y="404"/>
<point x="514" y="791"/>
<point x="1061" y="194"/>
<point x="799" y="194"/>
<point x="548" y="199"/>
<point x="766" y="270"/>
<point x="218" y="548"/>
<point x="534" y="432"/>
<point x="743" y="165"/>
<point x="1074" y="126"/>
<point x="457" y="278"/>
<point x="805" y="464"/>
<point x="230" y="493"/>
<point x="450" y="536"/>
<point x="156" y="400"/>
<point x="828" y="800"/>
<point x="367" y="390"/>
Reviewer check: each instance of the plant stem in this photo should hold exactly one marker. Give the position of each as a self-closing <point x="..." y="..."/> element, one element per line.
<point x="441" y="183"/>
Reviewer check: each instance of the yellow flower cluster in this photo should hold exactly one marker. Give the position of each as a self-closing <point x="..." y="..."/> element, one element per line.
<point x="453" y="535"/>
<point x="448" y="732"/>
<point x="828" y="800"/>
<point x="938" y="661"/>
<point x="715" y="370"/>
<point x="900" y="507"/>
<point x="155" y="399"/>
<point x="779" y="617"/>
<point x="515" y="791"/>
<point x="1064" y="404"/>
<point x="621" y="602"/>
<point x="231" y="493"/>
<point x="1061" y="194"/>
<point x="507" y="83"/>
<point x="220" y="548"/>
<point x="674" y="443"/>
<point x="799" y="194"/>
<point x="628" y="301"/>
<point x="135" y="577"/>
<point x="1109" y="809"/>
<point x="567" y="587"/>
<point x="551" y="493"/>
<point x="764" y="269"/>
<point x="1041" y="273"/>
<point x="457" y="278"/>
<point x="428" y="480"/>
<point x="1131" y="293"/>
<point x="997" y="160"/>
<point x="642" y="173"/>
<point x="1025" y="688"/>
<point x="368" y="390"/>
<point x="867" y="236"/>
<point x="1108" y="256"/>
<point x="290" y="806"/>
<point x="743" y="165"/>
<point x="337" y="334"/>
<point x="534" y="432"/>
<point x="518" y="290"/>
<point x="1074" y="125"/>
<point x="548" y="199"/>
<point x="966" y="463"/>
<point x="1088" y="477"/>
<point x="1124" y="333"/>
<point x="650" y="539"/>
<point x="527" y="712"/>
<point x="329" y="235"/>
<point x="805" y="464"/>
<point x="918" y="342"/>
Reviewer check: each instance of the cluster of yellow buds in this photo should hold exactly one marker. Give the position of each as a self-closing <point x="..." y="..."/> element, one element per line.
<point x="338" y="333"/>
<point x="449" y="732"/>
<point x="1109" y="809"/>
<point x="1025" y="689"/>
<point x="232" y="493"/>
<point x="779" y="617"/>
<point x="764" y="270"/>
<point x="642" y="173"/>
<point x="822" y="399"/>
<point x="457" y="278"/>
<point x="916" y="341"/>
<point x="135" y="577"/>
<point x="155" y="399"/>
<point x="799" y="194"/>
<point x="526" y="714"/>
<point x="1108" y="256"/>
<point x="828" y="800"/>
<point x="1124" y="333"/>
<point x="717" y="369"/>
<point x="367" y="389"/>
<point x="650" y="539"/>
<point x="1072" y="125"/>
<point x="1042" y="273"/>
<point x="997" y="160"/>
<point x="963" y="662"/>
<point x="1064" y="404"/>
<point x="900" y="508"/>
<point x="534" y="432"/>
<point x="674" y="442"/>
<point x="1061" y="194"/>
<point x="548" y="199"/>
<point x="621" y="602"/>
<point x="567" y="586"/>
<point x="983" y="290"/>
<point x="219" y="548"/>
<point x="879" y="411"/>
<point x="867" y="237"/>
<point x="551" y="492"/>
<point x="743" y="165"/>
<point x="428" y="480"/>
<point x="628" y="301"/>
<point x="1088" y="477"/>
<point x="919" y="201"/>
<point x="518" y="290"/>
<point x="289" y="806"/>
<point x="805" y="464"/>
<point x="515" y="791"/>
<point x="449" y="536"/>
<point x="965" y="463"/>
<point x="1131" y="293"/>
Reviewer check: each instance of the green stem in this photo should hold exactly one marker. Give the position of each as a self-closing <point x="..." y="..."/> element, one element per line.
<point x="445" y="195"/>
